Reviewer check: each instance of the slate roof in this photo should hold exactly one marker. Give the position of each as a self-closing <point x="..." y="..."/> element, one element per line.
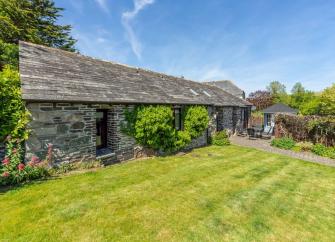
<point x="228" y="86"/>
<point x="280" y="108"/>
<point x="49" y="74"/>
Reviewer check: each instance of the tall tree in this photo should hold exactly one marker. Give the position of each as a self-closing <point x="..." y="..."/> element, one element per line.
<point x="260" y="99"/>
<point x="300" y="96"/>
<point x="9" y="55"/>
<point x="278" y="92"/>
<point x="298" y="88"/>
<point x="327" y="101"/>
<point x="34" y="21"/>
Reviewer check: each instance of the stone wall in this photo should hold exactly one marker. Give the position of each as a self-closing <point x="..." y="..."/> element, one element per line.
<point x="71" y="129"/>
<point x="229" y="118"/>
<point x="212" y="126"/>
<point x="198" y="142"/>
<point x="122" y="144"/>
<point x="225" y="119"/>
<point x="237" y="119"/>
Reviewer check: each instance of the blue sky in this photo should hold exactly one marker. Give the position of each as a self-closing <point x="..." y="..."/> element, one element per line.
<point x="251" y="42"/>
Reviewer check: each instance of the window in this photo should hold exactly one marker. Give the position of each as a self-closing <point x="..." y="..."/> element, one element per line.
<point x="101" y="126"/>
<point x="207" y="94"/>
<point x="194" y="92"/>
<point x="177" y="118"/>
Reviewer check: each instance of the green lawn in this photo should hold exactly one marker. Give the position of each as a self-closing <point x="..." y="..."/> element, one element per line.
<point x="210" y="194"/>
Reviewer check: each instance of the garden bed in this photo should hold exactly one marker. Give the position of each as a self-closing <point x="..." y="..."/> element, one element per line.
<point x="306" y="147"/>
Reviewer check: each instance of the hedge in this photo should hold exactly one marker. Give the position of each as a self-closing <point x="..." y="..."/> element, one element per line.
<point x="306" y="128"/>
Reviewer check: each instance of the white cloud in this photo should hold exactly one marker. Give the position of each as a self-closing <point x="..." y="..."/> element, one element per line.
<point x="213" y="74"/>
<point x="103" y="5"/>
<point x="101" y="44"/>
<point x="127" y="17"/>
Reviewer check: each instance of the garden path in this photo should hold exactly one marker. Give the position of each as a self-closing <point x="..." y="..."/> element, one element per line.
<point x="265" y="145"/>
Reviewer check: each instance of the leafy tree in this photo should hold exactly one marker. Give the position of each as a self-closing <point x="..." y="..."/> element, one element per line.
<point x="300" y="96"/>
<point x="278" y="92"/>
<point x="311" y="107"/>
<point x="9" y="55"/>
<point x="298" y="88"/>
<point x="327" y="101"/>
<point x="260" y="99"/>
<point x="34" y="21"/>
<point x="13" y="116"/>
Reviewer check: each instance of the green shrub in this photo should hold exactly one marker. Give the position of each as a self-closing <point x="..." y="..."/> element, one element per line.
<point x="13" y="115"/>
<point x="196" y="121"/>
<point x="322" y="150"/>
<point x="305" y="146"/>
<point x="221" y="138"/>
<point x="153" y="126"/>
<point x="283" y="143"/>
<point x="183" y="139"/>
<point x="296" y="149"/>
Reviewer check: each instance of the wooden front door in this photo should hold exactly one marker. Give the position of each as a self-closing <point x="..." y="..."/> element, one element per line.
<point x="101" y="125"/>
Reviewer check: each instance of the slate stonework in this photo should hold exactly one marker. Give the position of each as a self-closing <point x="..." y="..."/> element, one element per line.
<point x="225" y="119"/>
<point x="71" y="129"/>
<point x="237" y="119"/>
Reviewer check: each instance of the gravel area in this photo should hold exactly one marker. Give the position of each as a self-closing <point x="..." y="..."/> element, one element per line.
<point x="265" y="145"/>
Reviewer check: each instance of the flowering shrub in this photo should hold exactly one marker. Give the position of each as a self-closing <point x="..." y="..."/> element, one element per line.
<point x="14" y="171"/>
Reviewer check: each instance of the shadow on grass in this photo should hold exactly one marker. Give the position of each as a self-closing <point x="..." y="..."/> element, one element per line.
<point x="5" y="189"/>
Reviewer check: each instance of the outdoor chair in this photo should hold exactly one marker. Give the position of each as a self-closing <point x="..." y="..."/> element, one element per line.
<point x="241" y="132"/>
<point x="251" y="133"/>
<point x="267" y="133"/>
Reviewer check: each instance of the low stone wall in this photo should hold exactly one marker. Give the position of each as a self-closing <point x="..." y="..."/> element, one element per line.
<point x="198" y="142"/>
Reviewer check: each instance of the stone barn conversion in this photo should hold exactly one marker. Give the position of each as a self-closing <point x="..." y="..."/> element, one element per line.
<point x="77" y="104"/>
